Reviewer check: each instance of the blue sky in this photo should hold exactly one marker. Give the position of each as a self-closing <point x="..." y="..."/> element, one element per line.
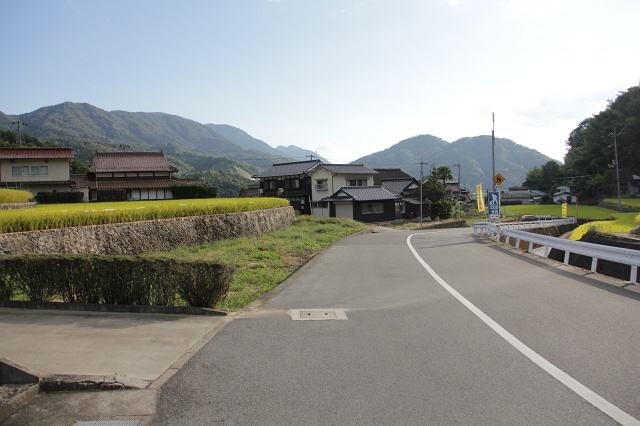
<point x="345" y="78"/>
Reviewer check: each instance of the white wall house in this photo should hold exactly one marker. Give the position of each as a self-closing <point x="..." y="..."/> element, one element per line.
<point x="327" y="179"/>
<point x="36" y="169"/>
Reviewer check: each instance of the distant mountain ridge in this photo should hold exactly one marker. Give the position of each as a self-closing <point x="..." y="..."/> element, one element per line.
<point x="194" y="147"/>
<point x="512" y="161"/>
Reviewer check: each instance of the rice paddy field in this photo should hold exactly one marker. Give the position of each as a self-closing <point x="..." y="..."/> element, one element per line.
<point x="628" y="202"/>
<point x="14" y="196"/>
<point x="601" y="219"/>
<point x="50" y="216"/>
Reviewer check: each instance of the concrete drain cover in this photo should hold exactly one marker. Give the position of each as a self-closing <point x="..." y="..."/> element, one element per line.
<point x="317" y="314"/>
<point x="107" y="423"/>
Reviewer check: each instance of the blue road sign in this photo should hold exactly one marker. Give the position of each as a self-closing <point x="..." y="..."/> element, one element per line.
<point x="493" y="205"/>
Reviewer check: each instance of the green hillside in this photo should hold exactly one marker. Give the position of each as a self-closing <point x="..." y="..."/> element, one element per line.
<point x="513" y="161"/>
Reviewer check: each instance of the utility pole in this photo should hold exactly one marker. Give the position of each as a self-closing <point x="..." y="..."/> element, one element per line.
<point x="19" y="137"/>
<point x="493" y="150"/>
<point x="459" y="190"/>
<point x="421" y="183"/>
<point x="310" y="156"/>
<point x="615" y="148"/>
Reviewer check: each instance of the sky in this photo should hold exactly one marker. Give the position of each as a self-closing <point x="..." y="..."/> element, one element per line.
<point x="343" y="78"/>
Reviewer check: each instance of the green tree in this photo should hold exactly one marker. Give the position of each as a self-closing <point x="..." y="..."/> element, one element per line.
<point x="78" y="167"/>
<point x="442" y="173"/>
<point x="546" y="177"/>
<point x="591" y="148"/>
<point x="229" y="184"/>
<point x="434" y="190"/>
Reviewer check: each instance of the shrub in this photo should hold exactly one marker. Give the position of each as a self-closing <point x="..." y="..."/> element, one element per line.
<point x="120" y="280"/>
<point x="109" y="195"/>
<point x="184" y="192"/>
<point x="6" y="288"/>
<point x="203" y="284"/>
<point x="59" y="197"/>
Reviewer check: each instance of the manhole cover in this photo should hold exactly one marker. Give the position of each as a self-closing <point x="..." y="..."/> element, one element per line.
<point x="317" y="314"/>
<point x="107" y="423"/>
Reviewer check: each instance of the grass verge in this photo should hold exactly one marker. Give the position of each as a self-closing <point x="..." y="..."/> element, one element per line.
<point x="264" y="262"/>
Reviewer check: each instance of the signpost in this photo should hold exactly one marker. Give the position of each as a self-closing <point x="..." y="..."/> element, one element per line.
<point x="493" y="202"/>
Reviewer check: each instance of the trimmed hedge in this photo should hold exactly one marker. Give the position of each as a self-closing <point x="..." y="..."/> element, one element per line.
<point x="119" y="280"/>
<point x="59" y="197"/>
<point x="190" y="192"/>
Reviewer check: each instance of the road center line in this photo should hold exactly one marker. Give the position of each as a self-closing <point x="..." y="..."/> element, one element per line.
<point x="585" y="393"/>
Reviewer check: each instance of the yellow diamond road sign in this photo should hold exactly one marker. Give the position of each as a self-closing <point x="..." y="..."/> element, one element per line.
<point x="498" y="178"/>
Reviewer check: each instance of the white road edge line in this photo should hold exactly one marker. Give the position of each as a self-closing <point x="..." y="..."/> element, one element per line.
<point x="585" y="393"/>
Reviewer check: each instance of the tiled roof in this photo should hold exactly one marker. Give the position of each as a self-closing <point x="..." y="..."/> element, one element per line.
<point x="397" y="186"/>
<point x="289" y="169"/>
<point x="119" y="162"/>
<point x="80" y="180"/>
<point x="350" y="169"/>
<point x="384" y="174"/>
<point x="361" y="193"/>
<point x="37" y="182"/>
<point x="130" y="183"/>
<point x="9" y="153"/>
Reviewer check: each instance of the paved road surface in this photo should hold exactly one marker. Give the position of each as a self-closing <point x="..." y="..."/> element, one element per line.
<point x="412" y="353"/>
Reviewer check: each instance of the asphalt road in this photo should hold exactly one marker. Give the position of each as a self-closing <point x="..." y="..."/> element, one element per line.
<point x="488" y="337"/>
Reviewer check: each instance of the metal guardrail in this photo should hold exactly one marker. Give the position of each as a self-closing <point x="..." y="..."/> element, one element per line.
<point x="595" y="251"/>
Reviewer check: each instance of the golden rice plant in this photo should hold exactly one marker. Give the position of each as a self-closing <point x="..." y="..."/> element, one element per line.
<point x="49" y="216"/>
<point x="15" y="196"/>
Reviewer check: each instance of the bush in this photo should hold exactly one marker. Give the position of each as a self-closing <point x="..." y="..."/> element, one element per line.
<point x="6" y="288"/>
<point x="59" y="197"/>
<point x="109" y="195"/>
<point x="120" y="280"/>
<point x="188" y="192"/>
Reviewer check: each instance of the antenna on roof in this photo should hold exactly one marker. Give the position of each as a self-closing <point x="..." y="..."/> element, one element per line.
<point x="310" y="156"/>
<point x="19" y="137"/>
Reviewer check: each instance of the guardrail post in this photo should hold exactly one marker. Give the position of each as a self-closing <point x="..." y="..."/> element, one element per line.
<point x="634" y="274"/>
<point x="530" y="246"/>
<point x="594" y="264"/>
<point x="566" y="257"/>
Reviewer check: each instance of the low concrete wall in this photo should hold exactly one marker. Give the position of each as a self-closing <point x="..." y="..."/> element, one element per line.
<point x="146" y="236"/>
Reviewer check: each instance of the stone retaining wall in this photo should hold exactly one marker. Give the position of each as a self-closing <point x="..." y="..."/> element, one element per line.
<point x="15" y="206"/>
<point x="146" y="236"/>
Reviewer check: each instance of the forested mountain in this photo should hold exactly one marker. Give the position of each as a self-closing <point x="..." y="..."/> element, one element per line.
<point x="473" y="154"/>
<point x="190" y="145"/>
<point x="243" y="139"/>
<point x="300" y="154"/>
<point x="195" y="148"/>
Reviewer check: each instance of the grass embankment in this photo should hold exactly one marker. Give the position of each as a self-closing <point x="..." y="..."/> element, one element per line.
<point x="50" y="216"/>
<point x="12" y="196"/>
<point x="264" y="262"/>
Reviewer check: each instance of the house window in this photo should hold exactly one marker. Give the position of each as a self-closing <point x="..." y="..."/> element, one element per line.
<point x="271" y="184"/>
<point x="357" y="181"/>
<point x="20" y="171"/>
<point x="370" y="208"/>
<point x="320" y="205"/>
<point x="321" y="185"/>
<point x="292" y="183"/>
<point x="39" y="170"/>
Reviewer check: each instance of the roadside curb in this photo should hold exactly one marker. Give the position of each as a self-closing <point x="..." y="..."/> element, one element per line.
<point x="99" y="307"/>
